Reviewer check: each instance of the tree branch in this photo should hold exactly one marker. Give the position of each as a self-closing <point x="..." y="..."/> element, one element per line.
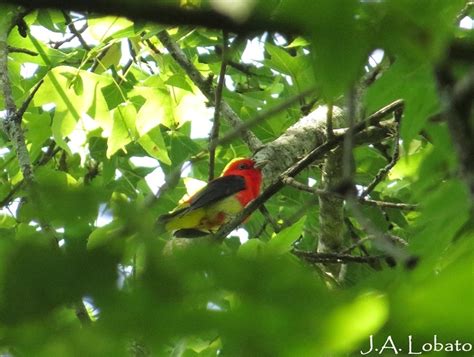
<point x="337" y="258"/>
<point x="161" y="12"/>
<point x="310" y="132"/>
<point x="74" y="31"/>
<point x="290" y="181"/>
<point x="385" y="170"/>
<point x="11" y="123"/>
<point x="22" y="50"/>
<point x="469" y="5"/>
<point x="214" y="135"/>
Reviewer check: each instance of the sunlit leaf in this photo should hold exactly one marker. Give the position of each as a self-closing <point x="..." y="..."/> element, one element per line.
<point x="123" y="130"/>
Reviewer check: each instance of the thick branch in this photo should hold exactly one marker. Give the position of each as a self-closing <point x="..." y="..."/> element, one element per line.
<point x="310" y="132"/>
<point x="159" y="11"/>
<point x="331" y="209"/>
<point x="11" y="123"/>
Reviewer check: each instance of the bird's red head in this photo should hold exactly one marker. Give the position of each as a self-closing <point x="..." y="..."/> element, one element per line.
<point x="246" y="168"/>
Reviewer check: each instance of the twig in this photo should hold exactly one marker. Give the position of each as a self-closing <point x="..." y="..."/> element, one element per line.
<point x="12" y="49"/>
<point x="242" y="67"/>
<point x="7" y="199"/>
<point x="82" y="314"/>
<point x="51" y="151"/>
<point x="386" y="204"/>
<point x="383" y="242"/>
<point x="276" y="227"/>
<point x="245" y="68"/>
<point x="329" y="127"/>
<point x="97" y="60"/>
<point x="153" y="47"/>
<point x="340" y="258"/>
<point x="347" y="156"/>
<point x="72" y="28"/>
<point x="262" y="230"/>
<point x="214" y="135"/>
<point x="171" y="180"/>
<point x="290" y="181"/>
<point x="249" y="138"/>
<point x="464" y="11"/>
<point x="385" y="170"/>
<point x="58" y="44"/>
<point x="19" y="113"/>
<point x="359" y="243"/>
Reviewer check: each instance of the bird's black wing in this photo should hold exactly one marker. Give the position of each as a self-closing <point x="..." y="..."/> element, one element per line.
<point x="216" y="190"/>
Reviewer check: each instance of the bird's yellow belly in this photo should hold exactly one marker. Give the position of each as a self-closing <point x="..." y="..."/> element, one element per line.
<point x="207" y="218"/>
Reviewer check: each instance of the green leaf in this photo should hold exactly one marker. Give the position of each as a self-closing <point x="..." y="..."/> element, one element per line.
<point x="436" y="303"/>
<point x="73" y="92"/>
<point x="111" y="58"/>
<point x="101" y="28"/>
<point x="113" y="95"/>
<point x="51" y="19"/>
<point x="7" y="221"/>
<point x="299" y="67"/>
<point x="179" y="81"/>
<point x="103" y="235"/>
<point x="443" y="213"/>
<point x="123" y="130"/>
<point x="339" y="39"/>
<point x="39" y="130"/>
<point x="155" y="146"/>
<point x="414" y="84"/>
<point x="156" y="110"/>
<point x="350" y="324"/>
<point x="281" y="60"/>
<point x="298" y="42"/>
<point x="283" y="241"/>
<point x="251" y="249"/>
<point x="47" y="56"/>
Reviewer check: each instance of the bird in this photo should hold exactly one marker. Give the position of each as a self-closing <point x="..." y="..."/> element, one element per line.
<point x="217" y="203"/>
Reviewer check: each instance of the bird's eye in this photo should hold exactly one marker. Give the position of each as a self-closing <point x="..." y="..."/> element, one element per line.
<point x="243" y="167"/>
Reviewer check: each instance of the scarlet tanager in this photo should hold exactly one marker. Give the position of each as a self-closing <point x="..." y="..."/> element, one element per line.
<point x="217" y="203"/>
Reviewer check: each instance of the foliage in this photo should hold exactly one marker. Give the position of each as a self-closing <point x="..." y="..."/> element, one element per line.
<point x="120" y="96"/>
